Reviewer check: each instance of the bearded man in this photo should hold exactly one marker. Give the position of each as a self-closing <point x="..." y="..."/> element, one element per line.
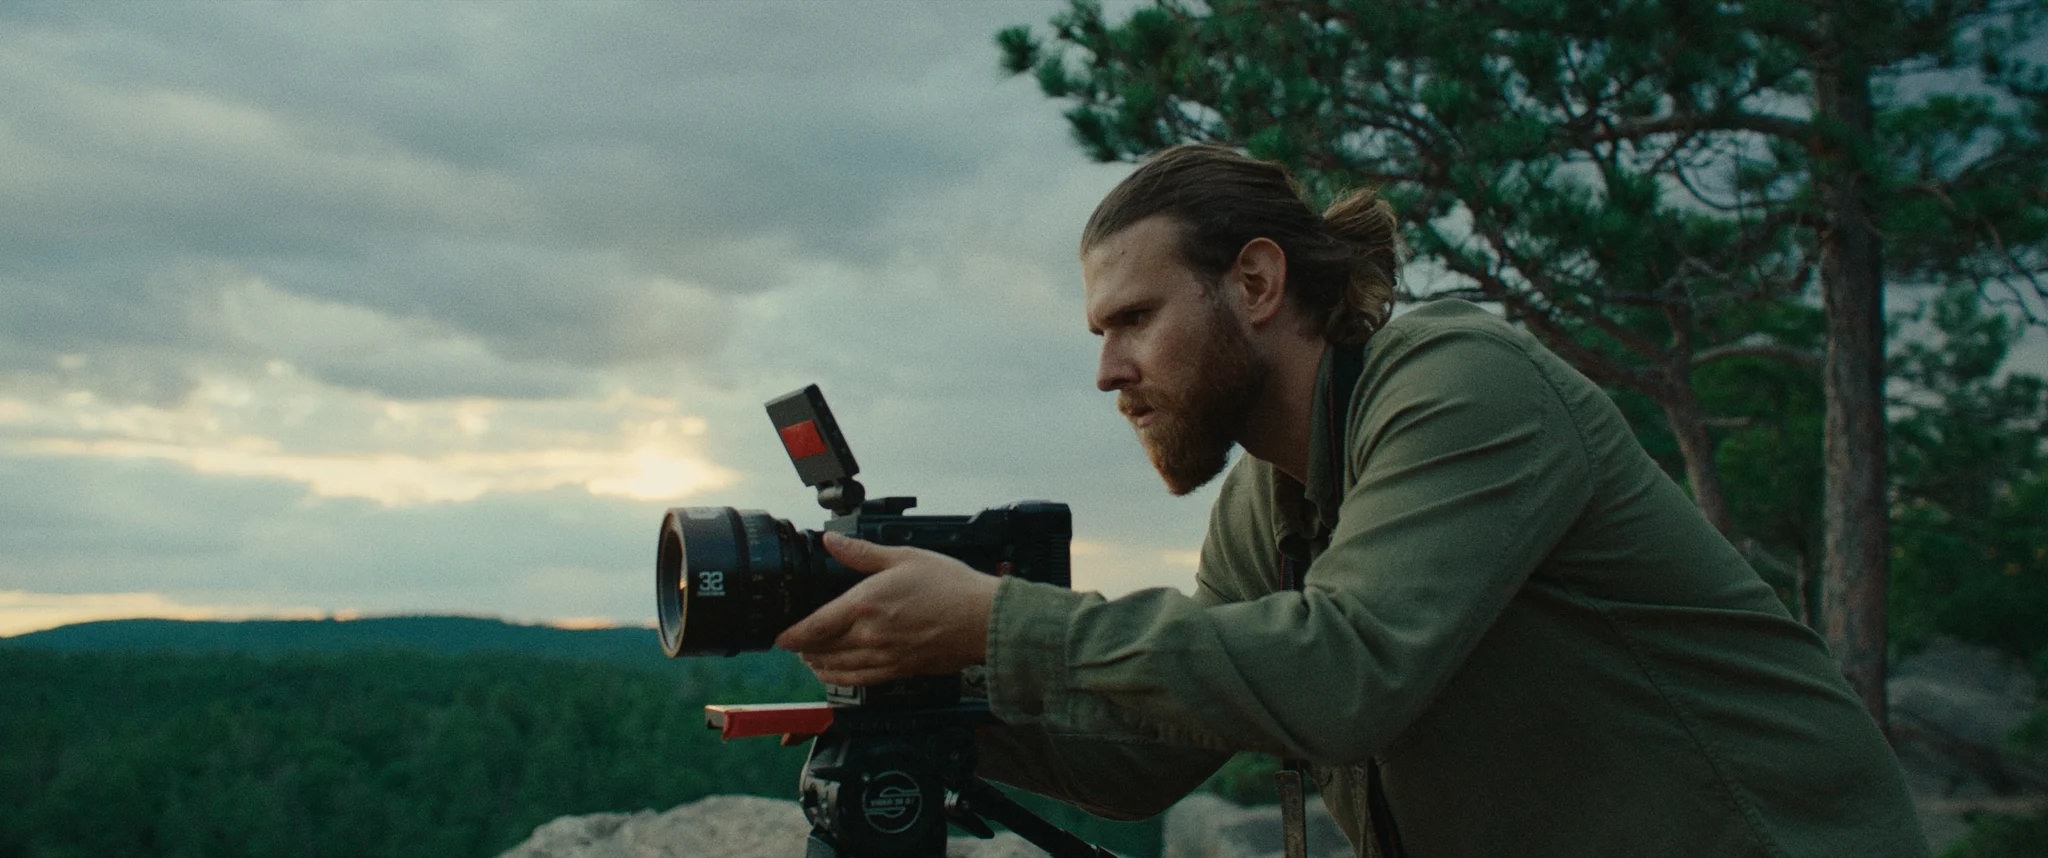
<point x="1444" y="575"/>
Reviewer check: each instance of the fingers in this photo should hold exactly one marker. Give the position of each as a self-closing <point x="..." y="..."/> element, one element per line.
<point x="823" y="626"/>
<point x="861" y="555"/>
<point x="861" y="666"/>
<point x="929" y="614"/>
<point x="853" y="665"/>
<point x="858" y="676"/>
<point x="830" y="622"/>
<point x="845" y="660"/>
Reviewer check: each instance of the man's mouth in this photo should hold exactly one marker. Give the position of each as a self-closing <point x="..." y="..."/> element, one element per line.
<point x="1138" y="413"/>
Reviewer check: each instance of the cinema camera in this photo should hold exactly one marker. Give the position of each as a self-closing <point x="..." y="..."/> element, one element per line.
<point x="890" y="764"/>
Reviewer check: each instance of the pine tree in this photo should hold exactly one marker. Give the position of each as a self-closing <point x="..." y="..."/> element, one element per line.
<point x="1623" y="177"/>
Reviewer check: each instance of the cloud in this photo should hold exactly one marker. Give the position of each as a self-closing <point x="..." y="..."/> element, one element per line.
<point x="256" y="545"/>
<point x="353" y="346"/>
<point x="344" y="444"/>
<point x="534" y="177"/>
<point x="505" y="200"/>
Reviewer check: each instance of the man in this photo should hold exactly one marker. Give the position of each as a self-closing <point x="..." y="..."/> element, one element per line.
<point x="1444" y="575"/>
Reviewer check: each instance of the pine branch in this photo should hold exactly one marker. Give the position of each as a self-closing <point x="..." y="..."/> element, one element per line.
<point x="1492" y="287"/>
<point x="1795" y="130"/>
<point x="1758" y="345"/>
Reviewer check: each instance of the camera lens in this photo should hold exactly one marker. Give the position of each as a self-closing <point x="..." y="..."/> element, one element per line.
<point x="724" y="580"/>
<point x="727" y="581"/>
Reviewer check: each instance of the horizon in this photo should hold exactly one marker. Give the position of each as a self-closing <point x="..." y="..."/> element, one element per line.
<point x="569" y="624"/>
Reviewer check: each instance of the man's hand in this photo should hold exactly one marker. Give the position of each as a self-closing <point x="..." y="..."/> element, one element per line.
<point x="918" y="612"/>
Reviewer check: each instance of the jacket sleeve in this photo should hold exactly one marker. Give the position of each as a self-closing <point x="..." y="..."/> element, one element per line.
<point x="1469" y="470"/>
<point x="1116" y="777"/>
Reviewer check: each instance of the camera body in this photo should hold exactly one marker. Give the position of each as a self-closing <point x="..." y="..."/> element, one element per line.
<point x="729" y="581"/>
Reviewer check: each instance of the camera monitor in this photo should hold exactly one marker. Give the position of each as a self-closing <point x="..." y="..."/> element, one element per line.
<point x="812" y="437"/>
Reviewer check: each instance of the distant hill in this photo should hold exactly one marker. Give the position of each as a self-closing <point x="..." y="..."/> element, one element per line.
<point x="389" y="750"/>
<point x="390" y="736"/>
<point x="445" y="635"/>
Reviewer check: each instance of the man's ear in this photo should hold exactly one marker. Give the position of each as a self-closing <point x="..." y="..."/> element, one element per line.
<point x="1260" y="277"/>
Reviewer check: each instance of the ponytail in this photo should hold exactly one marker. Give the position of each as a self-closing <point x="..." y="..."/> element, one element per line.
<point x="1366" y="224"/>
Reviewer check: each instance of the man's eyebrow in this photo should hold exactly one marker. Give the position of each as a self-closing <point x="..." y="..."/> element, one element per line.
<point x="1117" y="311"/>
<point x="1091" y="316"/>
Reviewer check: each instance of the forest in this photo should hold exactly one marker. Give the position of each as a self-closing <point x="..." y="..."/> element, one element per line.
<point x="364" y="754"/>
<point x="110" y="750"/>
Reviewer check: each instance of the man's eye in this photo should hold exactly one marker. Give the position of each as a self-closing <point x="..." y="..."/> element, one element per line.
<point x="1134" y="317"/>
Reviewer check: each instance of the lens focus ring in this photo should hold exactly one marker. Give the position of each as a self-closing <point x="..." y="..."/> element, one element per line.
<point x="722" y="580"/>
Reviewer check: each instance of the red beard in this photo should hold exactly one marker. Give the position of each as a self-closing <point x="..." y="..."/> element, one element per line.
<point x="1193" y="428"/>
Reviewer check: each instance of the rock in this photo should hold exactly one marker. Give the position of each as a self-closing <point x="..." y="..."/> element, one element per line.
<point x="1971" y="693"/>
<point x="725" y="826"/>
<point x="1952" y="707"/>
<point x="1003" y="845"/>
<point x="1207" y="826"/>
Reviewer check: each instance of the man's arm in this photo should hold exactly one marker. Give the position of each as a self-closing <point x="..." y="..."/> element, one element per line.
<point x="1470" y="469"/>
<point x="1112" y="777"/>
<point x="1108" y="776"/>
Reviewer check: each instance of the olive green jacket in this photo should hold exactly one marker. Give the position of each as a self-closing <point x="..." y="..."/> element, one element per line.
<point x="1510" y="606"/>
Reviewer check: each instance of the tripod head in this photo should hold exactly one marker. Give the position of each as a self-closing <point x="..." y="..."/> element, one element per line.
<point x="884" y="782"/>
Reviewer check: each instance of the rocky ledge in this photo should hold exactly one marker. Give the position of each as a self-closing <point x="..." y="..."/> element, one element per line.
<point x="724" y="826"/>
<point x="1952" y="707"/>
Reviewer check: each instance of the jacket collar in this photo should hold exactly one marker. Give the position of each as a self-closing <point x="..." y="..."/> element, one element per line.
<point x="1304" y="515"/>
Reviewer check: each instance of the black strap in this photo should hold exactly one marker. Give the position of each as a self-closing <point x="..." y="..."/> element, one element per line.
<point x="1347" y="364"/>
<point x="1293" y="810"/>
<point x="1287" y="782"/>
<point x="1383" y="828"/>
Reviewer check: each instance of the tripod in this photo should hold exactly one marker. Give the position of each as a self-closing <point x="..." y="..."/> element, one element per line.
<point x="883" y="782"/>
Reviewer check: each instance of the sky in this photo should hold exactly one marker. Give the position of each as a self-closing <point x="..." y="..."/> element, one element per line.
<point x="348" y="309"/>
<point x="360" y="309"/>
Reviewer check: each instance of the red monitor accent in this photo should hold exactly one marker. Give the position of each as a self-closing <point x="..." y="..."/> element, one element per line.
<point x="802" y="440"/>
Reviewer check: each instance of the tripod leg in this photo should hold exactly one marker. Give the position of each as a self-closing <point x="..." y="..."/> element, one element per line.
<point x="819" y="845"/>
<point x="1056" y="841"/>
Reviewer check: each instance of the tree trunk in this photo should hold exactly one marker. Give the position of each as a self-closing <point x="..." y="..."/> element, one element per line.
<point x="1689" y="426"/>
<point x="1854" y="566"/>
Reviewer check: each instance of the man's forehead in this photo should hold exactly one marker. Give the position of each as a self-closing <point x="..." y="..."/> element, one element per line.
<point x="1129" y="267"/>
<point x="1150" y="236"/>
<point x="1148" y="245"/>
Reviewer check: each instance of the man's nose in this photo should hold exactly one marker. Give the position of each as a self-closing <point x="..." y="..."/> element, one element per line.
<point x="1114" y="371"/>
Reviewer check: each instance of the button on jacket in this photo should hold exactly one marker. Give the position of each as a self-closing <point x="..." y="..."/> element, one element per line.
<point x="1506" y="603"/>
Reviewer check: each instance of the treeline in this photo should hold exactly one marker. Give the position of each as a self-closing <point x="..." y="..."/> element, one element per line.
<point x="105" y="754"/>
<point x="373" y="754"/>
<point x="449" y="635"/>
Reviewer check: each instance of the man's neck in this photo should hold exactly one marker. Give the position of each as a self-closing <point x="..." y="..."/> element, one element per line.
<point x="1281" y="425"/>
